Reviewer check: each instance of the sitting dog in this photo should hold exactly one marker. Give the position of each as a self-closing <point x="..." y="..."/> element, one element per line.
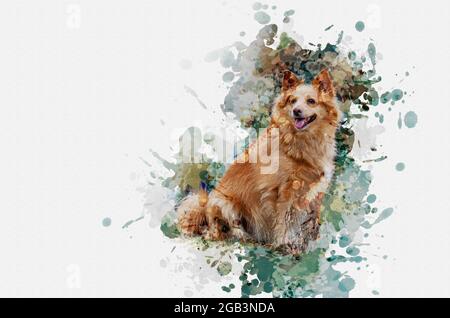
<point x="281" y="208"/>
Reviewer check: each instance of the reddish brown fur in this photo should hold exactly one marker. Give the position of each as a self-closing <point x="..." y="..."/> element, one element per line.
<point x="267" y="207"/>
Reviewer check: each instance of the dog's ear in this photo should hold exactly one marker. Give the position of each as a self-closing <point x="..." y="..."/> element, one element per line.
<point x="324" y="84"/>
<point x="290" y="81"/>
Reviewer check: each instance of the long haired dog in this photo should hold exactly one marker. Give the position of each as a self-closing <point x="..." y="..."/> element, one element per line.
<point x="281" y="208"/>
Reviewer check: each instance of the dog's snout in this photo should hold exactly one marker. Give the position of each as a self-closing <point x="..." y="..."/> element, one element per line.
<point x="297" y="112"/>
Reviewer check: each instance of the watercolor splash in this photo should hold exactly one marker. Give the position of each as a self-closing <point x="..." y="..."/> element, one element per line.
<point x="348" y="212"/>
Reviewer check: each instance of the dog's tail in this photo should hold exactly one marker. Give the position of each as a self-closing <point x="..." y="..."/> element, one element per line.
<point x="192" y="213"/>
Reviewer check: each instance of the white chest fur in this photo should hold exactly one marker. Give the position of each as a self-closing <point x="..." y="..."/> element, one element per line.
<point x="327" y="164"/>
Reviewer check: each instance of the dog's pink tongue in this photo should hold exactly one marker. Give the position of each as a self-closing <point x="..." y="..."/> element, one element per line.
<point x="300" y="123"/>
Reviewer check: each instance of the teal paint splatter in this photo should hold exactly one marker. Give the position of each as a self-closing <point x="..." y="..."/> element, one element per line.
<point x="352" y="55"/>
<point x="262" y="18"/>
<point x="289" y="13"/>
<point x="228" y="77"/>
<point x="130" y="222"/>
<point x="410" y="119"/>
<point x="384" y="215"/>
<point x="393" y="96"/>
<point x="372" y="53"/>
<point x="400" y="166"/>
<point x="399" y="121"/>
<point x="227" y="59"/>
<point x="226" y="289"/>
<point x="397" y="94"/>
<point x="352" y="251"/>
<point x="169" y="228"/>
<point x="106" y="222"/>
<point x="371" y="198"/>
<point x="386" y="97"/>
<point x="359" y="26"/>
<point x="379" y="159"/>
<point x="340" y="37"/>
<point x="347" y="284"/>
<point x="257" y="6"/>
<point x="344" y="241"/>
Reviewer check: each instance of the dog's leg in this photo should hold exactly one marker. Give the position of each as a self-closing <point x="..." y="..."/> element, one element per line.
<point x="296" y="224"/>
<point x="192" y="216"/>
<point x="224" y="219"/>
<point x="218" y="227"/>
<point x="283" y="214"/>
<point x="192" y="219"/>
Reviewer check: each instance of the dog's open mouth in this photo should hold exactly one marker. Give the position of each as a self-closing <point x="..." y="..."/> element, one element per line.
<point x="302" y="122"/>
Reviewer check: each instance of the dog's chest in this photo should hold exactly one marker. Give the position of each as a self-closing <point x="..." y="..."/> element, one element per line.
<point x="326" y="164"/>
<point x="323" y="166"/>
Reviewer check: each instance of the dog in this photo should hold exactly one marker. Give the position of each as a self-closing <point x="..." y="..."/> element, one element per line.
<point x="279" y="209"/>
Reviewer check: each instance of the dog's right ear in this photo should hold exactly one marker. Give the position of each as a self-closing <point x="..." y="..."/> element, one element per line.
<point x="324" y="84"/>
<point x="290" y="81"/>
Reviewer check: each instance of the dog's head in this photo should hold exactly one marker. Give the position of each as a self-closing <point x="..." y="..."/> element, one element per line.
<point x="306" y="107"/>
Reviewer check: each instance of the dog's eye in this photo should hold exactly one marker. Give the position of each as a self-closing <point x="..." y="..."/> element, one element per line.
<point x="293" y="100"/>
<point x="311" y="101"/>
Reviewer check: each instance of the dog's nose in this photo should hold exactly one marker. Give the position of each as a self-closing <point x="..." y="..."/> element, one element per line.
<point x="297" y="112"/>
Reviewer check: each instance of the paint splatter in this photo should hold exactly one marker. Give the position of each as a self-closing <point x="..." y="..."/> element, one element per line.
<point x="372" y="53"/>
<point x="359" y="26"/>
<point x="261" y="17"/>
<point x="228" y="77"/>
<point x="410" y="119"/>
<point x="257" y="6"/>
<point x="289" y="13"/>
<point x="399" y="121"/>
<point x="348" y="211"/>
<point x="400" y="166"/>
<point x="371" y="198"/>
<point x="224" y="268"/>
<point x="106" y="222"/>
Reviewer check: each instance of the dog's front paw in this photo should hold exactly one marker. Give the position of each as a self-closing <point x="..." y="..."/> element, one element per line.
<point x="193" y="223"/>
<point x="218" y="230"/>
<point x="290" y="248"/>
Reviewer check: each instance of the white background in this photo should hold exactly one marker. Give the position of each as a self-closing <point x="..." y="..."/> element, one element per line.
<point x="82" y="96"/>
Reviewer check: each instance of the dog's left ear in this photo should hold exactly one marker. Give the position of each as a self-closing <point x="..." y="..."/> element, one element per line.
<point x="290" y="81"/>
<point x="324" y="84"/>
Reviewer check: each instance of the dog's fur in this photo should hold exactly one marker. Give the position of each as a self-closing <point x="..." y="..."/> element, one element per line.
<point x="273" y="208"/>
